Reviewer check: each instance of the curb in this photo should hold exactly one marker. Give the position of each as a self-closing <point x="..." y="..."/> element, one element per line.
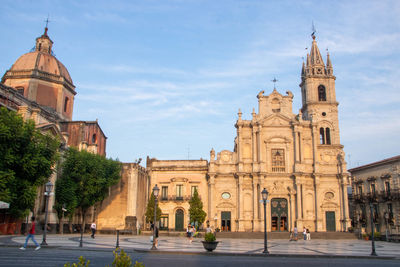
<point x="216" y="254"/>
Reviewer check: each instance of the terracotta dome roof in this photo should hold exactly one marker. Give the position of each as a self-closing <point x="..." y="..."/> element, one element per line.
<point x="41" y="61"/>
<point x="41" y="64"/>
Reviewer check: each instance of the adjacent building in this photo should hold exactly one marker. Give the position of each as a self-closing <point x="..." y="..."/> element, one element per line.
<point x="39" y="87"/>
<point x="376" y="187"/>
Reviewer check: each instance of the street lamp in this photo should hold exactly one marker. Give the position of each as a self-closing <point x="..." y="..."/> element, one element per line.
<point x="156" y="190"/>
<point x="359" y="214"/>
<point x="49" y="187"/>
<point x="264" y="195"/>
<point x="387" y="219"/>
<point x="373" y="253"/>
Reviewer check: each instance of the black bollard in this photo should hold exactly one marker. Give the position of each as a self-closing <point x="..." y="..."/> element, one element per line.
<point x="117" y="246"/>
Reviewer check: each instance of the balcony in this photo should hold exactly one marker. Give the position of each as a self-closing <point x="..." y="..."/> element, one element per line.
<point x="175" y="198"/>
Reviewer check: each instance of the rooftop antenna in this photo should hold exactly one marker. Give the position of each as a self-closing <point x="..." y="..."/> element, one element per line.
<point x="313" y="30"/>
<point x="274" y="81"/>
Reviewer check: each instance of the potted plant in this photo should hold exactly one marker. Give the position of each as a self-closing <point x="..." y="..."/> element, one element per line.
<point x="209" y="242"/>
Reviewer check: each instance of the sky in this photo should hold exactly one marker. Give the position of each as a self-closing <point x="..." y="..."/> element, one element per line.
<point x="166" y="78"/>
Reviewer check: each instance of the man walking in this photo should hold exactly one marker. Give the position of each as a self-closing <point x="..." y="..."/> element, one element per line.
<point x="31" y="234"/>
<point x="93" y="228"/>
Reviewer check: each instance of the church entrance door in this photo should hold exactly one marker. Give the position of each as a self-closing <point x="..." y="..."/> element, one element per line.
<point x="226" y="221"/>
<point x="179" y="220"/>
<point x="330" y="221"/>
<point x="279" y="215"/>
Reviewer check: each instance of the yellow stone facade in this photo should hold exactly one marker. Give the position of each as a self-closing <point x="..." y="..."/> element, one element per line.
<point x="298" y="158"/>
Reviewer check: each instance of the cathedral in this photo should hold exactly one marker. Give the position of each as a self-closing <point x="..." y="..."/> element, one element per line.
<point x="297" y="158"/>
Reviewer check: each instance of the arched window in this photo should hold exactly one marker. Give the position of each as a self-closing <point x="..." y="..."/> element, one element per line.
<point x="66" y="104"/>
<point x="321" y="93"/>
<point x="328" y="136"/>
<point x="325" y="136"/>
<point x="322" y="136"/>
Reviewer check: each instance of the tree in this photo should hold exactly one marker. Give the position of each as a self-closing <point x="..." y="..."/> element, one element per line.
<point x="150" y="210"/>
<point x="196" y="212"/>
<point x="84" y="181"/>
<point x="26" y="160"/>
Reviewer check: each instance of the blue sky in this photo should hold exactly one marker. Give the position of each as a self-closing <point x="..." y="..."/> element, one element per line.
<point x="166" y="78"/>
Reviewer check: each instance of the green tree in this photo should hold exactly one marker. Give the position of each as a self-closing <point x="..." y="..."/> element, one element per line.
<point x="196" y="212"/>
<point x="26" y="160"/>
<point x="150" y="210"/>
<point x="85" y="180"/>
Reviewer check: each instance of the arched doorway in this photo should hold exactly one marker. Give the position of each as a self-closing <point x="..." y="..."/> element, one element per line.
<point x="179" y="220"/>
<point x="279" y="215"/>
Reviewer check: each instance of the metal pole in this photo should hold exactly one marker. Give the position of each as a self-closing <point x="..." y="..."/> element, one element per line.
<point x="154" y="224"/>
<point x="80" y="241"/>
<point x="117" y="246"/>
<point x="265" y="228"/>
<point x="373" y="253"/>
<point x="45" y="220"/>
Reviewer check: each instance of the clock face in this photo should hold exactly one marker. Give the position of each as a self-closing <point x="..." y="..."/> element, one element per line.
<point x="226" y="195"/>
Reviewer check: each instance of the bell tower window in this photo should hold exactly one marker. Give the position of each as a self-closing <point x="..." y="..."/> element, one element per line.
<point x="321" y="93"/>
<point x="325" y="136"/>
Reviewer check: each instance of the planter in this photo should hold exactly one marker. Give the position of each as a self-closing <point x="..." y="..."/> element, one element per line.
<point x="210" y="246"/>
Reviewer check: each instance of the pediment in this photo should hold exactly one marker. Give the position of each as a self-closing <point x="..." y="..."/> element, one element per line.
<point x="225" y="205"/>
<point x="275" y="120"/>
<point x="329" y="205"/>
<point x="51" y="129"/>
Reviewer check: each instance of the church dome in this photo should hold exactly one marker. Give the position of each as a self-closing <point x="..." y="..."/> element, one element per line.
<point x="41" y="64"/>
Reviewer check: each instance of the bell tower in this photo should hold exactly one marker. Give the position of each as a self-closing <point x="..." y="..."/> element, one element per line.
<point x="318" y="95"/>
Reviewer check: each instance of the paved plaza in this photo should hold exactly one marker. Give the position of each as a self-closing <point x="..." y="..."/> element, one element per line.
<point x="180" y="245"/>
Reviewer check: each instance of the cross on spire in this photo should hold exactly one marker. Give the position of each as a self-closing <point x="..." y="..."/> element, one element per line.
<point x="47" y="24"/>
<point x="47" y="21"/>
<point x="274" y="81"/>
<point x="313" y="30"/>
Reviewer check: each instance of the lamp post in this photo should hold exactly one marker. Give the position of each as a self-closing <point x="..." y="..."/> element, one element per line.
<point x="387" y="219"/>
<point x="264" y="195"/>
<point x="49" y="187"/>
<point x="359" y="223"/>
<point x="156" y="190"/>
<point x="373" y="253"/>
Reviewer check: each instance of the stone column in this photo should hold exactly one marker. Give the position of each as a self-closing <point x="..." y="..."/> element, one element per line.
<point x="316" y="190"/>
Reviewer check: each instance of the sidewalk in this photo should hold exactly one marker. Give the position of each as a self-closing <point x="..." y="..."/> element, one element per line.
<point x="226" y="246"/>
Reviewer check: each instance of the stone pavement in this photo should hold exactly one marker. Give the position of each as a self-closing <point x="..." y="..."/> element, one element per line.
<point x="226" y="246"/>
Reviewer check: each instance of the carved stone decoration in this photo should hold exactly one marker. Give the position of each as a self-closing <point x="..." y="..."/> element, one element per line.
<point x="329" y="195"/>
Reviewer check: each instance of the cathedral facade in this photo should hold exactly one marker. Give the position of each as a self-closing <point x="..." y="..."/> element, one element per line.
<point x="297" y="158"/>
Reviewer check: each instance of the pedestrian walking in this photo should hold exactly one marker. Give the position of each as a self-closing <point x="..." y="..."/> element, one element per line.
<point x="93" y="228"/>
<point x="295" y="233"/>
<point x="31" y="235"/>
<point x="188" y="232"/>
<point x="191" y="234"/>
<point x="308" y="234"/>
<point x="304" y="233"/>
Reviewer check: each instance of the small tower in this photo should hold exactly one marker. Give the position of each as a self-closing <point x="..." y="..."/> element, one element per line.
<point x="318" y="95"/>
